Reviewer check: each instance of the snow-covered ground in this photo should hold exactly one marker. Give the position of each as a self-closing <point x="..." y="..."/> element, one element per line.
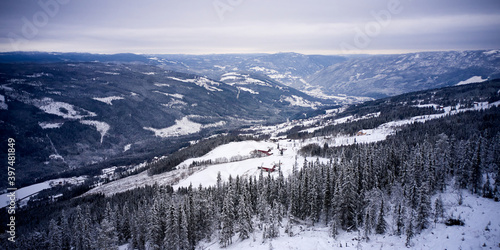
<point x="35" y="188"/>
<point x="101" y="127"/>
<point x="162" y="85"/>
<point x="317" y="92"/>
<point x="481" y="231"/>
<point x="472" y="80"/>
<point x="62" y="109"/>
<point x="48" y="125"/>
<point x="139" y="180"/>
<point x="480" y="215"/>
<point x="3" y="105"/>
<point x="248" y="90"/>
<point x="300" y="102"/>
<point x="182" y="127"/>
<point x="179" y="96"/>
<point x="207" y="175"/>
<point x="109" y="73"/>
<point x="249" y="167"/>
<point x="175" y="103"/>
<point x="200" y="81"/>
<point x="380" y="132"/>
<point x="234" y="78"/>
<point x="108" y="100"/>
<point x="36" y="75"/>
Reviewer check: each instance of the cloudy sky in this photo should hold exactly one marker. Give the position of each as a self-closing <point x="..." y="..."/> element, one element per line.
<point x="249" y="26"/>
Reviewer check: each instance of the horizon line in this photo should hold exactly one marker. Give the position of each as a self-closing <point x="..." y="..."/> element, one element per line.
<point x="368" y="52"/>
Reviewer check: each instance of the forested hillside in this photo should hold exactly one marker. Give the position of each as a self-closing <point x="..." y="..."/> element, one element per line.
<point x="393" y="187"/>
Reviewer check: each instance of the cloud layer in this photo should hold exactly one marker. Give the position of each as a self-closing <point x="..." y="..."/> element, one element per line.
<point x="246" y="26"/>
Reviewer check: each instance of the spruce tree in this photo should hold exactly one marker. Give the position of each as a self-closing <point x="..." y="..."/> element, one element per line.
<point x="227" y="220"/>
<point x="273" y="229"/>
<point x="77" y="239"/>
<point x="65" y="231"/>
<point x="124" y="232"/>
<point x="157" y="226"/>
<point x="349" y="205"/>
<point x="368" y="225"/>
<point x="423" y="208"/>
<point x="107" y="238"/>
<point x="171" y="240"/>
<point x="438" y="209"/>
<point x="400" y="218"/>
<point x="183" y="230"/>
<point x="244" y="217"/>
<point x="381" y="224"/>
<point x="476" y="176"/>
<point x="409" y="229"/>
<point x="55" y="236"/>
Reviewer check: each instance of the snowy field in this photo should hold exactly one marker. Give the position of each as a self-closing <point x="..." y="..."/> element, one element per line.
<point x="35" y="188"/>
<point x="233" y="78"/>
<point x="101" y="127"/>
<point x="108" y="100"/>
<point x="49" y="125"/>
<point x="207" y="175"/>
<point x="182" y="127"/>
<point x="472" y="80"/>
<point x="300" y="102"/>
<point x="200" y="81"/>
<point x="62" y="109"/>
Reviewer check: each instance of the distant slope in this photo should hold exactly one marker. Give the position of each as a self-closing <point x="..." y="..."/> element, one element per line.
<point x="388" y="75"/>
<point x="372" y="76"/>
<point x="65" y="115"/>
<point x="44" y="57"/>
<point x="290" y="69"/>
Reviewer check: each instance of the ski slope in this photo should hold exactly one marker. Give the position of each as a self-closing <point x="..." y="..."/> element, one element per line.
<point x="246" y="168"/>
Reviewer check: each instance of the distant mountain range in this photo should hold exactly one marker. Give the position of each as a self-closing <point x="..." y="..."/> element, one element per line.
<point x="326" y="76"/>
<point x="338" y="77"/>
<point x="388" y="75"/>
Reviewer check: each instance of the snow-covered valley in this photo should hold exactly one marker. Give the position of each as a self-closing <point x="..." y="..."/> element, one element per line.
<point x="234" y="159"/>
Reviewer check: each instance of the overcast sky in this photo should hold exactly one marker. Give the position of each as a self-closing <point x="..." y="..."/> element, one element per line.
<point x="248" y="26"/>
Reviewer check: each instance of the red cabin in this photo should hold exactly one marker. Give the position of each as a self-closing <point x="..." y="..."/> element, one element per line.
<point x="270" y="170"/>
<point x="268" y="152"/>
